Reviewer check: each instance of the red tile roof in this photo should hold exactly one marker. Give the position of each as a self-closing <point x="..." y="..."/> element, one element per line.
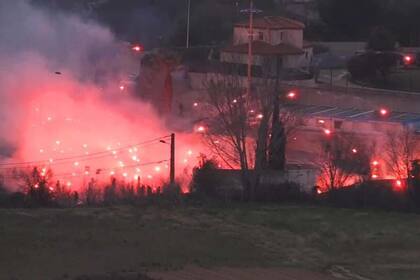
<point x="263" y="48"/>
<point x="273" y="22"/>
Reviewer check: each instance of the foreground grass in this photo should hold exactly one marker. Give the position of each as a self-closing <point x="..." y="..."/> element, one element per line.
<point x="57" y="244"/>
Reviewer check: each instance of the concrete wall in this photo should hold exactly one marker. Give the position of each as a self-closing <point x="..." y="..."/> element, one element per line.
<point x="305" y="178"/>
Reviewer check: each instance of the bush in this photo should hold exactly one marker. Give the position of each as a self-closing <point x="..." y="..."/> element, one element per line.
<point x="372" y="66"/>
<point x="378" y="195"/>
<point x="204" y="181"/>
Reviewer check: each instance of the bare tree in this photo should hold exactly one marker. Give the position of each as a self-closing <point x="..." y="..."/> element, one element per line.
<point x="400" y="151"/>
<point x="238" y="122"/>
<point x="37" y="184"/>
<point x="344" y="158"/>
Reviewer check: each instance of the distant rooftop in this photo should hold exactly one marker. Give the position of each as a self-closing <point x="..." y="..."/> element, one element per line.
<point x="273" y="22"/>
<point x="352" y="114"/>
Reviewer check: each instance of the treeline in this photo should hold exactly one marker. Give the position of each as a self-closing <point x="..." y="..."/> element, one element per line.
<point x="163" y="22"/>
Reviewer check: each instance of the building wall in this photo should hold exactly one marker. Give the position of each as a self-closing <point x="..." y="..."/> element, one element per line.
<point x="274" y="37"/>
<point x="242" y="58"/>
<point x="305" y="178"/>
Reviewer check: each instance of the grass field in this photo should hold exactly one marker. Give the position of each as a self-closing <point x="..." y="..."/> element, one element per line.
<point x="62" y="244"/>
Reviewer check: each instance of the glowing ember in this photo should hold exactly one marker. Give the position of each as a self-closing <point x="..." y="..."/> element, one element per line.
<point x="408" y="59"/>
<point x="354" y="151"/>
<point x="327" y="132"/>
<point x="260" y="116"/>
<point x="291" y="95"/>
<point x="384" y="112"/>
<point x="137" y="48"/>
<point x="201" y="129"/>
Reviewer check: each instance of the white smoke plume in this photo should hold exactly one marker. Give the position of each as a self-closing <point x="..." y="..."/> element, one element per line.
<point x="59" y="98"/>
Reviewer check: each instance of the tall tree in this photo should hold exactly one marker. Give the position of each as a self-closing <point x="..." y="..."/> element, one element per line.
<point x="350" y="19"/>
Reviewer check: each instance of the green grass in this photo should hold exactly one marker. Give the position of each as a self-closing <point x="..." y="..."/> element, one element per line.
<point x="46" y="244"/>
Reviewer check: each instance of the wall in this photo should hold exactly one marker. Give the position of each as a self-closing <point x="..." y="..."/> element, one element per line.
<point x="290" y="36"/>
<point x="306" y="178"/>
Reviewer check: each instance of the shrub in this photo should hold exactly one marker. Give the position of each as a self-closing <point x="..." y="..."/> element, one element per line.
<point x="368" y="195"/>
<point x="204" y="181"/>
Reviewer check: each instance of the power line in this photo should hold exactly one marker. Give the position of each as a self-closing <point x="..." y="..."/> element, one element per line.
<point x="80" y="157"/>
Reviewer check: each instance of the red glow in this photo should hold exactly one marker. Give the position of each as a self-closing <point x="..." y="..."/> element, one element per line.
<point x="354" y="151"/>
<point x="291" y="95"/>
<point x="122" y="88"/>
<point x="375" y="163"/>
<point x="201" y="129"/>
<point x="384" y="112"/>
<point x="408" y="59"/>
<point x="137" y="48"/>
<point x="327" y="132"/>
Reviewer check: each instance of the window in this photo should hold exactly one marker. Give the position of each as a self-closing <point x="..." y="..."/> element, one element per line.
<point x="261" y="36"/>
<point x="338" y="124"/>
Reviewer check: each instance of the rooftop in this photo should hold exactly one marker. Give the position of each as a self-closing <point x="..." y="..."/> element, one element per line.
<point x="273" y="22"/>
<point x="352" y="114"/>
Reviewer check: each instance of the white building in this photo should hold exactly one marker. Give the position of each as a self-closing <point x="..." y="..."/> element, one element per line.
<point x="277" y="45"/>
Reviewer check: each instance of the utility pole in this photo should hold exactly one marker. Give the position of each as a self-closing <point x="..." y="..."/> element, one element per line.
<point x="172" y="164"/>
<point x="250" y="41"/>
<point x="188" y="22"/>
<point x="251" y="12"/>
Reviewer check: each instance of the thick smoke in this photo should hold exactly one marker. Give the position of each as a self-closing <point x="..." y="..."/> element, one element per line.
<point x="60" y="98"/>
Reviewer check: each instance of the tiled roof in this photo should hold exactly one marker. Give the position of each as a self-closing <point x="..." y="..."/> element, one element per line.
<point x="273" y="22"/>
<point x="263" y="48"/>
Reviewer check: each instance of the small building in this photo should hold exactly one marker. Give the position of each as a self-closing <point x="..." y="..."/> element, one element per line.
<point x="278" y="45"/>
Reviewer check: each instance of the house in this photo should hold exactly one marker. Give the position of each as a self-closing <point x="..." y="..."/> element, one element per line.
<point x="277" y="45"/>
